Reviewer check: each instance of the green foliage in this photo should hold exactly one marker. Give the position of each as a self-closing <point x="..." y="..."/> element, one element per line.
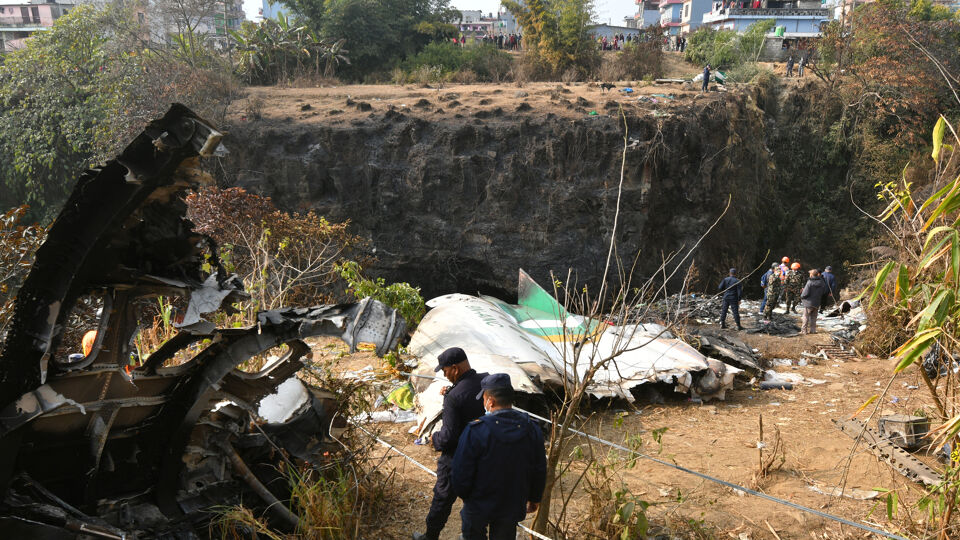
<point x="378" y="33"/>
<point x="403" y="297"/>
<point x="726" y="48"/>
<point x="926" y="10"/>
<point x="486" y="61"/>
<point x="278" y="49"/>
<point x="74" y="94"/>
<point x="58" y="102"/>
<point x="556" y="34"/>
<point x="748" y="72"/>
<point x="710" y="46"/>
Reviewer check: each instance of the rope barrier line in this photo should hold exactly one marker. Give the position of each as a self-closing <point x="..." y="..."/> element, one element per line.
<point x="731" y="485"/>
<point x="432" y="473"/>
<point x="707" y="477"/>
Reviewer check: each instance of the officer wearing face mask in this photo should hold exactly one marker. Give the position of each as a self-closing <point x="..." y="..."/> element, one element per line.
<point x="459" y="407"/>
<point x="500" y="468"/>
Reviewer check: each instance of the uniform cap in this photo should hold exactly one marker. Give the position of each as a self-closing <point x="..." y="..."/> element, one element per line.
<point x="828" y="269"/>
<point x="733" y="271"/>
<point x="795" y="266"/>
<point x="785" y="260"/>
<point x="774" y="265"/>
<point x="450" y="357"/>
<point x="494" y="381"/>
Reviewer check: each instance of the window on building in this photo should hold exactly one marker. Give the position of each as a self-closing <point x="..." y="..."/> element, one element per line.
<point x="140" y="18"/>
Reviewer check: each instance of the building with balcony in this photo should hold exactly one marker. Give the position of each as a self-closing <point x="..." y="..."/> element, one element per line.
<point x="797" y="24"/>
<point x="648" y="13"/>
<point x="804" y="17"/>
<point x="670" y="16"/>
<point x="691" y="14"/>
<point x="20" y="18"/>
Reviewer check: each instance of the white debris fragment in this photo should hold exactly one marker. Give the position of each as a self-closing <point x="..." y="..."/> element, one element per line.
<point x="280" y="406"/>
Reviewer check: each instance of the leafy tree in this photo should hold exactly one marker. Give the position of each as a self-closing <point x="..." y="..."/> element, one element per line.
<point x="59" y="98"/>
<point x="891" y="68"/>
<point x="377" y="33"/>
<point x="556" y="34"/>
<point x="276" y="49"/>
<point x="75" y="94"/>
<point x="283" y="258"/>
<point x="726" y="48"/>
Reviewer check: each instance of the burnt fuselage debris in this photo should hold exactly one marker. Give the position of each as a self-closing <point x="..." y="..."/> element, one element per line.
<point x="105" y="445"/>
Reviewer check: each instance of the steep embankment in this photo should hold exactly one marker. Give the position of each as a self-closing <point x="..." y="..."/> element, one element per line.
<point x="458" y="188"/>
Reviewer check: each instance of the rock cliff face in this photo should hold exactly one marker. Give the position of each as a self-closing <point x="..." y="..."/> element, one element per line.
<point x="459" y="204"/>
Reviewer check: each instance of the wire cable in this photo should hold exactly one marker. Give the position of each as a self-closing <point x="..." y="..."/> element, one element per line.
<point x="707" y="477"/>
<point x="432" y="473"/>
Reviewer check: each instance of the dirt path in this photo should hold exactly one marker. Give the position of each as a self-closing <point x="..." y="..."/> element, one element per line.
<point x="720" y="438"/>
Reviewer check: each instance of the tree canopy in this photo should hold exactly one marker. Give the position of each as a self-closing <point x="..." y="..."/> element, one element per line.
<point x="377" y="33"/>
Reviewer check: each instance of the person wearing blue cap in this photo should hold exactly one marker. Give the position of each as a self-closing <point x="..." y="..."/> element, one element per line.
<point x="460" y="407"/>
<point x="732" y="289"/>
<point x="500" y="468"/>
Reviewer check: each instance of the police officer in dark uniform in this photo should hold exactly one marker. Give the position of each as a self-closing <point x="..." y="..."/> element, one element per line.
<point x="500" y="467"/>
<point x="732" y="290"/>
<point x="460" y="406"/>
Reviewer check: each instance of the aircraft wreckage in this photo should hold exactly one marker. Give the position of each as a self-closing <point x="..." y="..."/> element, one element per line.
<point x="109" y="445"/>
<point x="543" y="346"/>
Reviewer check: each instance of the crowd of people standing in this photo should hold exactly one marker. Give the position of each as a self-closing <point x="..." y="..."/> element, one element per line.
<point x="510" y="42"/>
<point x="784" y="282"/>
<point x="616" y="42"/>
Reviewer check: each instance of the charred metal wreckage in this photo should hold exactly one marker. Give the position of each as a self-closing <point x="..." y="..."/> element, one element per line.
<point x="100" y="447"/>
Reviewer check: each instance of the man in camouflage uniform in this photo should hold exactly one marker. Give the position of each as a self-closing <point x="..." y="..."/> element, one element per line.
<point x="774" y="288"/>
<point x="793" y="287"/>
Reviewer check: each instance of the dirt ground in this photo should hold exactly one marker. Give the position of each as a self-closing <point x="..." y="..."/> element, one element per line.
<point x="720" y="438"/>
<point x="350" y="104"/>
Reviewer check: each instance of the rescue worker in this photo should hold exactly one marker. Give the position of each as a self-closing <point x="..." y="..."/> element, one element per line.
<point x="460" y="407"/>
<point x="812" y="295"/>
<point x="774" y="288"/>
<point x="500" y="467"/>
<point x="732" y="289"/>
<point x="784" y="269"/>
<point x="763" y="285"/>
<point x="793" y="287"/>
<point x="706" y="77"/>
<point x="831" y="280"/>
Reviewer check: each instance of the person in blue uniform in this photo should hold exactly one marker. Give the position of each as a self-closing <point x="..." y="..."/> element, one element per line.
<point x="500" y="467"/>
<point x="460" y="406"/>
<point x="732" y="290"/>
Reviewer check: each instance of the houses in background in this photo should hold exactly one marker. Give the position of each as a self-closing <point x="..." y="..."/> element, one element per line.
<point x="21" y="18"/>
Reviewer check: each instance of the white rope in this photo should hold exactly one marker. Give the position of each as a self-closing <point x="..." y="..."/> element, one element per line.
<point x="432" y="473"/>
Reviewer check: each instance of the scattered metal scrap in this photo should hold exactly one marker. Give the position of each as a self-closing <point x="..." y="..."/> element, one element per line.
<point x="900" y="460"/>
<point x="116" y="446"/>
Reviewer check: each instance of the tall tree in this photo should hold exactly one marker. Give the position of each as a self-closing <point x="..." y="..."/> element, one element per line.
<point x="377" y="33"/>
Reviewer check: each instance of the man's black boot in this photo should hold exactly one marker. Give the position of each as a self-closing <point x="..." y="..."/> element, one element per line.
<point x="424" y="536"/>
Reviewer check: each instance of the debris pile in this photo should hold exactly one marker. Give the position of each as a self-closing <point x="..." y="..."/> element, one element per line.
<point x="109" y="444"/>
<point x="541" y="346"/>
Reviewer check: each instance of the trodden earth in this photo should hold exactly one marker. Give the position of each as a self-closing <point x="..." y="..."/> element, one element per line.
<point x="720" y="439"/>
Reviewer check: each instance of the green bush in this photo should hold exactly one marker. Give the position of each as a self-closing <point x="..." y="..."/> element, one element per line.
<point x="486" y="61"/>
<point x="726" y="48"/>
<point x="710" y="46"/>
<point x="748" y="72"/>
<point x="403" y="297"/>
